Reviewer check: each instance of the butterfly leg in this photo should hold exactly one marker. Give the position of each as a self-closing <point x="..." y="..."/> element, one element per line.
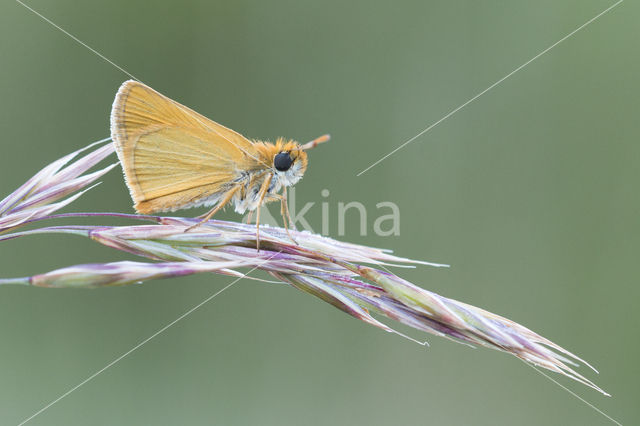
<point x="284" y="211"/>
<point x="221" y="204"/>
<point x="263" y="191"/>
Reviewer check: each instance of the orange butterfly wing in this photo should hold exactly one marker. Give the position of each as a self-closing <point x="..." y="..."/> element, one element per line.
<point x="172" y="156"/>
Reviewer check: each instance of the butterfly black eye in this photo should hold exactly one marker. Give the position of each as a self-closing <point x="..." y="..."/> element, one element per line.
<point x="282" y="161"/>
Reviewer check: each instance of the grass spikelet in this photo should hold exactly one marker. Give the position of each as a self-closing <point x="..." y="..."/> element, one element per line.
<point x="353" y="278"/>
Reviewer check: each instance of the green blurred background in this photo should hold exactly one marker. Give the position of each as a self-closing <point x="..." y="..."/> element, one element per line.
<point x="530" y="193"/>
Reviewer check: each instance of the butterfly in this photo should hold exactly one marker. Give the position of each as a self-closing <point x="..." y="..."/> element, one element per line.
<point x="174" y="158"/>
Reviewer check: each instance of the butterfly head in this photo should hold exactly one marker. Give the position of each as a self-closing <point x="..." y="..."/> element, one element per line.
<point x="288" y="161"/>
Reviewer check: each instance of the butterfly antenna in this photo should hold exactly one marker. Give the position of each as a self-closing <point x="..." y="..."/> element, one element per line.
<point x="316" y="142"/>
